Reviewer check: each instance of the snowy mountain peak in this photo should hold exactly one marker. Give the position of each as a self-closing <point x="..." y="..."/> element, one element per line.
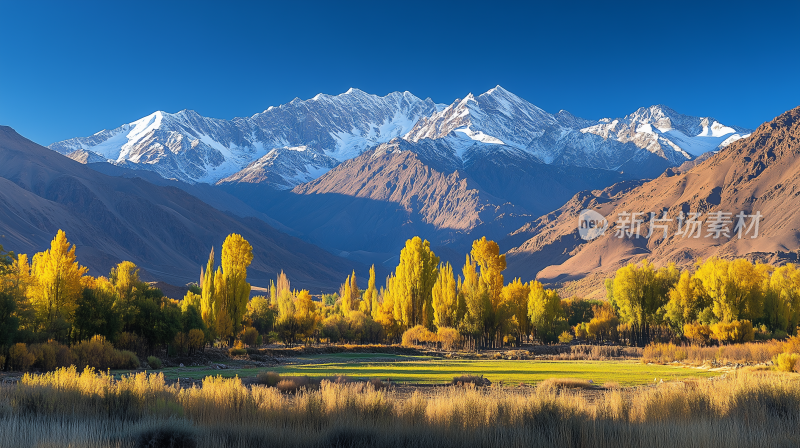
<point x="496" y="116"/>
<point x="284" y="168"/>
<point x="192" y="148"/>
<point x="663" y="131"/>
<point x="289" y="144"/>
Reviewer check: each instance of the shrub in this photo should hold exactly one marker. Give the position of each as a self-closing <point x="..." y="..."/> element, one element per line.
<point x="250" y="336"/>
<point x="785" y="362"/>
<point x="697" y="333"/>
<point x="270" y="379"/>
<point x="51" y="355"/>
<point x="154" y="361"/>
<point x="290" y="385"/>
<point x="237" y="351"/>
<point x="565" y="337"/>
<point x="477" y="380"/>
<point x="124" y="359"/>
<point x="19" y="358"/>
<point x="377" y="384"/>
<point x="100" y="354"/>
<point x="413" y="336"/>
<point x="581" y="331"/>
<point x="130" y="341"/>
<point x="197" y="339"/>
<point x="736" y="331"/>
<point x="450" y="338"/>
<point x="792" y="345"/>
<point x="2" y="362"/>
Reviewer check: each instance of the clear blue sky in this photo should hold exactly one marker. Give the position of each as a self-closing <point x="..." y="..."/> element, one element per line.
<point x="73" y="68"/>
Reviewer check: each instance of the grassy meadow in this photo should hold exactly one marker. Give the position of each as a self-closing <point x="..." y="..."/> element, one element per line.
<point x="428" y="370"/>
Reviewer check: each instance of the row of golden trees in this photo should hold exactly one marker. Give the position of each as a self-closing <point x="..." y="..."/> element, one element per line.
<point x="423" y="292"/>
<point x="52" y="298"/>
<point x="723" y="299"/>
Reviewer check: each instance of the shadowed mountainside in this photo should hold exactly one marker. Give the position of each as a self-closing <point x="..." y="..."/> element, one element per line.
<point x="164" y="230"/>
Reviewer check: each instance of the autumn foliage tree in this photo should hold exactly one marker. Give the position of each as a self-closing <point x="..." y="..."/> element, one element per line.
<point x="445" y="298"/>
<point x="225" y="291"/>
<point x="546" y="314"/>
<point x="413" y="283"/>
<point x="349" y="294"/>
<point x="57" y="285"/>
<point x="237" y="254"/>
<point x="515" y="295"/>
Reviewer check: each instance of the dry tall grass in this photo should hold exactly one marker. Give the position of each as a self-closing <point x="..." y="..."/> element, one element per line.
<point x="751" y="352"/>
<point x="65" y="408"/>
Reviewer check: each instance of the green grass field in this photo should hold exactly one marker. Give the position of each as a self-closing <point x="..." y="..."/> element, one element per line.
<point x="433" y="371"/>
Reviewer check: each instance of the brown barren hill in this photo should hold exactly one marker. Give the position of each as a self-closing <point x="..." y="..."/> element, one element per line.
<point x="758" y="174"/>
<point x="379" y="199"/>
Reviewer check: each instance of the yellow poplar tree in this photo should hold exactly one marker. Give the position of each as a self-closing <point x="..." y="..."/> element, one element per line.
<point x="208" y="305"/>
<point x="190" y="300"/>
<point x="57" y="277"/>
<point x="516" y="295"/>
<point x="477" y="303"/>
<point x="237" y="254"/>
<point x="349" y="295"/>
<point x="222" y="321"/>
<point x="384" y="312"/>
<point x="544" y="309"/>
<point x="413" y="284"/>
<point x="445" y="298"/>
<point x="734" y="287"/>
<point x="486" y="253"/>
<point x="370" y="301"/>
<point x="306" y="313"/>
<point x="782" y="298"/>
<point x="18" y="279"/>
<point x="640" y="290"/>
<point x="124" y="278"/>
<point x="686" y="300"/>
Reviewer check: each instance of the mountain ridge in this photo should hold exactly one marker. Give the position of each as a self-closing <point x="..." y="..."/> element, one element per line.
<point x="335" y="128"/>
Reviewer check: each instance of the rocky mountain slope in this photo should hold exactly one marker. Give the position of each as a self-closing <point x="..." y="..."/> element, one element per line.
<point x="164" y="230"/>
<point x="759" y="174"/>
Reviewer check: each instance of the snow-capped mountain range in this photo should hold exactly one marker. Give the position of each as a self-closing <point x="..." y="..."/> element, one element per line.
<point x="294" y="143"/>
